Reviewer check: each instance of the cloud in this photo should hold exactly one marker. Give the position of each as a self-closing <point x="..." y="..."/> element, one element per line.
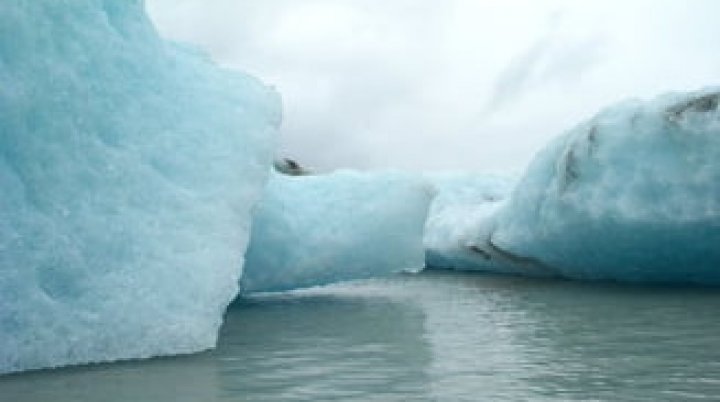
<point x="552" y="59"/>
<point x="458" y="84"/>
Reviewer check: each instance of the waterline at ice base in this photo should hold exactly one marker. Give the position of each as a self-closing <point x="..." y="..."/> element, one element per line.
<point x="632" y="194"/>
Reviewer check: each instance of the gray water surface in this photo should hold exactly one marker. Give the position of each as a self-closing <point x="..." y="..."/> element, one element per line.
<point x="430" y="337"/>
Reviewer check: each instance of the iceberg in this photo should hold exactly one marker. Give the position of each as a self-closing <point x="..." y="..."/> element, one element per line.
<point x="633" y="194"/>
<point x="460" y="213"/>
<point x="128" y="166"/>
<point x="315" y="230"/>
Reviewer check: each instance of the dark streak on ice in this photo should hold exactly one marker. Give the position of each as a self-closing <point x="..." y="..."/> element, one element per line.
<point x="492" y="251"/>
<point x="702" y="104"/>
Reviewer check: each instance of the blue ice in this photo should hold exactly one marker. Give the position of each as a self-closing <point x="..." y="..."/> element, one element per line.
<point x="632" y="194"/>
<point x="315" y="230"/>
<point x="128" y="168"/>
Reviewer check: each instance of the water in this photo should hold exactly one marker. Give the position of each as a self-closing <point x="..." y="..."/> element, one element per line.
<point x="430" y="337"/>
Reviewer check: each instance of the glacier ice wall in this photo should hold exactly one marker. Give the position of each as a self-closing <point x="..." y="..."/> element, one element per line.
<point x="315" y="230"/>
<point x="128" y="168"/>
<point x="462" y="212"/>
<point x="633" y="194"/>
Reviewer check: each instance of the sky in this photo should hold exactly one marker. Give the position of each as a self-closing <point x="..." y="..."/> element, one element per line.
<point x="476" y="85"/>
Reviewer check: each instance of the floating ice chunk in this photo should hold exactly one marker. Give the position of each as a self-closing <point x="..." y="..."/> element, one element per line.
<point x="315" y="230"/>
<point x="461" y="213"/>
<point x="128" y="167"/>
<point x="632" y="194"/>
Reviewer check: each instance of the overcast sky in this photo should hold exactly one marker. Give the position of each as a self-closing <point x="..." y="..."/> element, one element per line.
<point x="448" y="84"/>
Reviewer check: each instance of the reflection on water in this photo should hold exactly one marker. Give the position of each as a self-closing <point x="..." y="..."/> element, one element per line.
<point x="510" y="338"/>
<point x="171" y="379"/>
<point x="320" y="346"/>
<point x="435" y="336"/>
